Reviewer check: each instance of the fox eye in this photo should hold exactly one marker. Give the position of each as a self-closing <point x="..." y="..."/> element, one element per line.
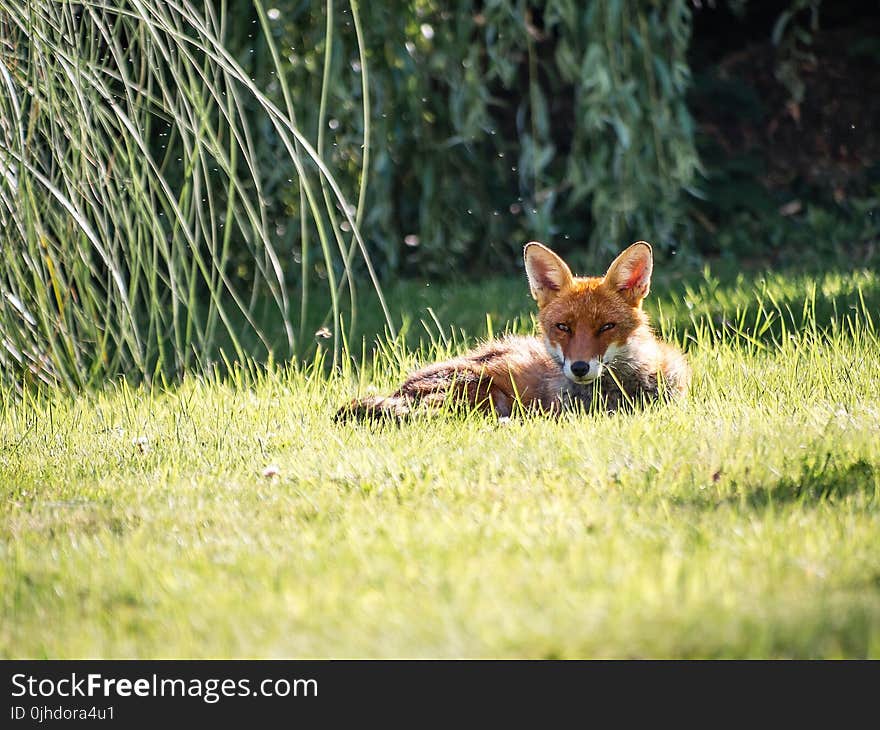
<point x="562" y="327"/>
<point x="605" y="327"/>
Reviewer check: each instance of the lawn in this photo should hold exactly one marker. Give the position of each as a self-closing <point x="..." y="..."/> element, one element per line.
<point x="743" y="522"/>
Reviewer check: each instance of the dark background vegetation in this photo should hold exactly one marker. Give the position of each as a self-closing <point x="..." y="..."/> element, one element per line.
<point x="741" y="130"/>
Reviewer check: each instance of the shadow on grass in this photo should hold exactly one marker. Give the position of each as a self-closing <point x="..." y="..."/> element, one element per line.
<point x="693" y="306"/>
<point x="760" y="306"/>
<point x="817" y="482"/>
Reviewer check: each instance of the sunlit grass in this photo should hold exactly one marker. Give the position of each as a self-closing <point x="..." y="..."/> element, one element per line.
<point x="741" y="523"/>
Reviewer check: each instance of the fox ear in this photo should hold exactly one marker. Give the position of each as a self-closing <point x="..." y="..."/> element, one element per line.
<point x="630" y="273"/>
<point x="548" y="274"/>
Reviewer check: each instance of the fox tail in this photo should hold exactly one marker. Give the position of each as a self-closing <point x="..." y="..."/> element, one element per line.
<point x="375" y="408"/>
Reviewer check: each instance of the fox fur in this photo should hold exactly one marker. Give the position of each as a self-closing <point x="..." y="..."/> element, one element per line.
<point x="595" y="350"/>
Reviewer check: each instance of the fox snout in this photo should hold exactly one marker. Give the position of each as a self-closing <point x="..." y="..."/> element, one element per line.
<point x="583" y="371"/>
<point x="581" y="356"/>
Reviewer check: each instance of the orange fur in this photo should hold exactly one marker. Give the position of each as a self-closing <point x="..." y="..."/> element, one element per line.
<point x="597" y="350"/>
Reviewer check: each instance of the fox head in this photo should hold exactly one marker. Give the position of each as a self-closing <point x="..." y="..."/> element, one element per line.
<point x="588" y="322"/>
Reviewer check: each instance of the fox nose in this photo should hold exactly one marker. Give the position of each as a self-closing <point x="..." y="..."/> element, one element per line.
<point x="579" y="368"/>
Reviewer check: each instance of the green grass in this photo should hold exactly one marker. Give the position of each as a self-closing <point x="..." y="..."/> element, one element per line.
<point x="743" y="522"/>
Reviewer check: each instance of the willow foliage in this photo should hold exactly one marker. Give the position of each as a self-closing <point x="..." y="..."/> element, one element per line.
<point x="497" y="122"/>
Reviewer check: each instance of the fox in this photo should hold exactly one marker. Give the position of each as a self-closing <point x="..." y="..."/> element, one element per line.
<point x="595" y="349"/>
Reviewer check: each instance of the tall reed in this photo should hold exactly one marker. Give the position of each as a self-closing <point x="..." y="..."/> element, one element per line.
<point x="136" y="232"/>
